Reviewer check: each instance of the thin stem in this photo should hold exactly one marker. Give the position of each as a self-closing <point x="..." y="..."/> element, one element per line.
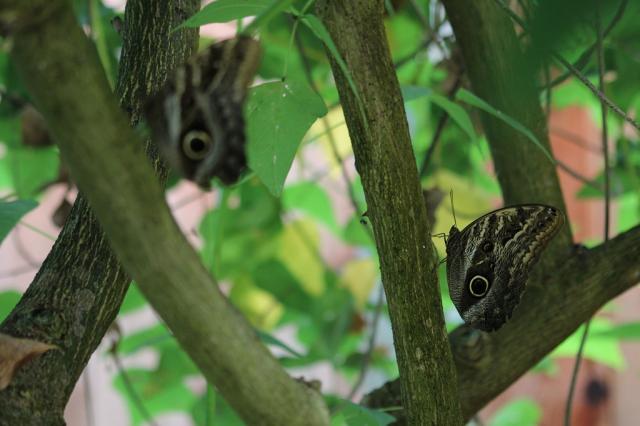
<point x="131" y="390"/>
<point x="440" y="127"/>
<point x="583" y="60"/>
<point x="576" y="72"/>
<point x="607" y="198"/>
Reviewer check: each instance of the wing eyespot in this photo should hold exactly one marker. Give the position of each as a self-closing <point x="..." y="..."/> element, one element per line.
<point x="478" y="286"/>
<point x="196" y="144"/>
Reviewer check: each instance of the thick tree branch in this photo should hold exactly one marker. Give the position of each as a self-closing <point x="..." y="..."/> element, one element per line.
<point x="385" y="162"/>
<point x="78" y="291"/>
<point x="104" y="155"/>
<point x="557" y="305"/>
<point x="570" y="284"/>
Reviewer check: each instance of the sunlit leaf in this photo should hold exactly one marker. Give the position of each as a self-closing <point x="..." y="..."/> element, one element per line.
<point x="301" y="238"/>
<point x="521" y="412"/>
<point x="227" y="10"/>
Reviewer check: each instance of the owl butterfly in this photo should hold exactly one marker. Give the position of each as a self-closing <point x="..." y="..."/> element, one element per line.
<point x="196" y="119"/>
<point x="488" y="261"/>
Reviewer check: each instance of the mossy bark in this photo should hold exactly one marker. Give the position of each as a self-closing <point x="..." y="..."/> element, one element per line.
<point x="384" y="159"/>
<point x="569" y="284"/>
<point x="78" y="291"/>
<point x="62" y="72"/>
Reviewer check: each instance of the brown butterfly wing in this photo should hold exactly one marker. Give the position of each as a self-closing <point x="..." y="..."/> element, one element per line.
<point x="489" y="261"/>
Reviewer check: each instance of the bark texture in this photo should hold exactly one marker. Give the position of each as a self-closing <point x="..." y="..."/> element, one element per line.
<point x="61" y="71"/>
<point x="385" y="162"/>
<point x="78" y="291"/>
<point x="570" y="283"/>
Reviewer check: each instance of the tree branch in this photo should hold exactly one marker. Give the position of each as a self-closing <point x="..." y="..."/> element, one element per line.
<point x="78" y="291"/>
<point x="570" y="284"/>
<point x="106" y="159"/>
<point x="555" y="306"/>
<point x="385" y="162"/>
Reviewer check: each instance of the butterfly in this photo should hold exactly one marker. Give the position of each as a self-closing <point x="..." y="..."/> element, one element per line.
<point x="196" y="118"/>
<point x="488" y="262"/>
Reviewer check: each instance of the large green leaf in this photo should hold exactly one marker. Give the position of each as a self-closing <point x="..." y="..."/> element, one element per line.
<point x="278" y="116"/>
<point x="227" y="10"/>
<point x="11" y="213"/>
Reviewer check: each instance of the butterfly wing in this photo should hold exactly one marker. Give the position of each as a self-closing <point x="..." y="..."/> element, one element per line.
<point x="488" y="262"/>
<point x="196" y="119"/>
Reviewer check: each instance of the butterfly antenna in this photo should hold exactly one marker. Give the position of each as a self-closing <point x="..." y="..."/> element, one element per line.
<point x="453" y="210"/>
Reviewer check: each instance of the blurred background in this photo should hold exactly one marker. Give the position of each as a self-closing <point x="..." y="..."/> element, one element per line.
<point x="302" y="266"/>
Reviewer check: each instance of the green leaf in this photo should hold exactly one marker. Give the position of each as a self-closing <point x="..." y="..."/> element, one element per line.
<point x="273" y="277"/>
<point x="471" y="99"/>
<point x="317" y="27"/>
<point x="312" y="200"/>
<point x="155" y="398"/>
<point x="628" y="331"/>
<point x="213" y="410"/>
<point x="225" y="11"/>
<point x="267" y="15"/>
<point x="8" y="300"/>
<point x="156" y="337"/>
<point x="11" y="213"/>
<point x="350" y="414"/>
<point x="31" y="168"/>
<point x="268" y="339"/>
<point x="455" y="111"/>
<point x="278" y="116"/>
<point x="133" y="301"/>
<point x="411" y="93"/>
<point x="598" y="347"/>
<point x="521" y="412"/>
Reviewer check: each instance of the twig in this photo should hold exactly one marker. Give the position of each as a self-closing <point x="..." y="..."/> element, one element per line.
<point x="583" y="60"/>
<point x="607" y="198"/>
<point x="576" y="72"/>
<point x="328" y="131"/>
<point x="440" y="126"/>
<point x="131" y="390"/>
<point x="366" y="360"/>
<point x="575" y="139"/>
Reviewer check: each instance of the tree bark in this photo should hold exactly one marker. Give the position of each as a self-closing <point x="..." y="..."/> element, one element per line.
<point x="569" y="284"/>
<point x="78" y="291"/>
<point x="61" y="71"/>
<point x="385" y="162"/>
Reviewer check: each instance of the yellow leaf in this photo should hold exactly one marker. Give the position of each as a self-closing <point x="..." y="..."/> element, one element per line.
<point x="259" y="306"/>
<point x="300" y="253"/>
<point x="359" y="277"/>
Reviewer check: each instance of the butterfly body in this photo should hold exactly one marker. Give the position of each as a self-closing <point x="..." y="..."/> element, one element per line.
<point x="196" y="118"/>
<point x="489" y="261"/>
